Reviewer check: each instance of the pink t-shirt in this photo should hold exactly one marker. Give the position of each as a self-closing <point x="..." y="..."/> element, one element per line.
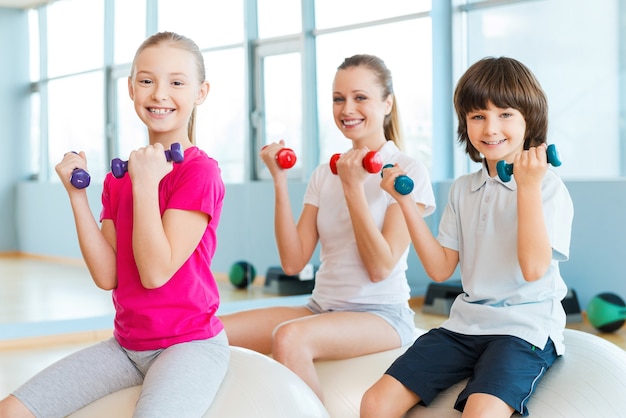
<point x="184" y="308"/>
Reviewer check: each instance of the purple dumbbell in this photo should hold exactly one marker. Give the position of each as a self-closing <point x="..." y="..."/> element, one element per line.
<point x="80" y="178"/>
<point x="175" y="154"/>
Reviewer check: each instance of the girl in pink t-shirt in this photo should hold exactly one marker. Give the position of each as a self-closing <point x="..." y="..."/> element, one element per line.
<point x="153" y="250"/>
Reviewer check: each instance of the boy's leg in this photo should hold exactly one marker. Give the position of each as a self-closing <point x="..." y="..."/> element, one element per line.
<point x="183" y="379"/>
<point x="484" y="405"/>
<point x="436" y="361"/>
<point x="387" y="398"/>
<point x="506" y="375"/>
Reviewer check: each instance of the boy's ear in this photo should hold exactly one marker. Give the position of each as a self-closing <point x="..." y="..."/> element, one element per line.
<point x="203" y="92"/>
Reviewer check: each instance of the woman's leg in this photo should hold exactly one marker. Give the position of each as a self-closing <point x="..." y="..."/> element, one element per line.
<point x="330" y="336"/>
<point x="254" y="329"/>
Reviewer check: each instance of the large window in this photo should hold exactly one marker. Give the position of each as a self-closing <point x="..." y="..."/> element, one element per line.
<point x="261" y="90"/>
<point x="271" y="75"/>
<point x="577" y="63"/>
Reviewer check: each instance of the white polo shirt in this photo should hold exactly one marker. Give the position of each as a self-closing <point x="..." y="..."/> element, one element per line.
<point x="342" y="278"/>
<point x="480" y="222"/>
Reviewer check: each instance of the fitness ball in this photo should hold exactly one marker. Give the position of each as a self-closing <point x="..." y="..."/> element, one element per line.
<point x="241" y="274"/>
<point x="606" y="312"/>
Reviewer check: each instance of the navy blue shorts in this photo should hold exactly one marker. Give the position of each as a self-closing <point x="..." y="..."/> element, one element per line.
<point x="500" y="365"/>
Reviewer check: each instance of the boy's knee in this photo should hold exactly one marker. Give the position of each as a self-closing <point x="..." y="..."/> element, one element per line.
<point x="370" y="404"/>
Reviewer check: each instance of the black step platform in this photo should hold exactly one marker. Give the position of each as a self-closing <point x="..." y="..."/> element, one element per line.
<point x="279" y="283"/>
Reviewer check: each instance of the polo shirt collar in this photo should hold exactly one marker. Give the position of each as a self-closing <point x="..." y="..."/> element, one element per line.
<point x="482" y="177"/>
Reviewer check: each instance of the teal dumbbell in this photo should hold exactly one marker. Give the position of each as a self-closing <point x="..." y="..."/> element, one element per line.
<point x="505" y="170"/>
<point x="403" y="184"/>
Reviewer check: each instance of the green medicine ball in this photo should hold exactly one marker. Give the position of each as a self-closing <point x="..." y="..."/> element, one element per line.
<point x="241" y="274"/>
<point x="606" y="312"/>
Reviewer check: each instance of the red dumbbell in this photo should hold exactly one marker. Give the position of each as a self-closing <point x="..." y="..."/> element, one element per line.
<point x="285" y="158"/>
<point x="372" y="162"/>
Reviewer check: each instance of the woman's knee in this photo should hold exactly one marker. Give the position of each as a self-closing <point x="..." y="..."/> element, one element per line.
<point x="289" y="337"/>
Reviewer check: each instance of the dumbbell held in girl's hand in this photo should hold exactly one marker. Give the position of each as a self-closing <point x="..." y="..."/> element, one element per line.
<point x="505" y="170"/>
<point x="403" y="184"/>
<point x="175" y="154"/>
<point x="80" y="178"/>
<point x="372" y="162"/>
<point x="285" y="158"/>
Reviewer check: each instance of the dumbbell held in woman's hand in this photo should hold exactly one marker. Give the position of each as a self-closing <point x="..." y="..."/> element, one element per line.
<point x="285" y="158"/>
<point x="403" y="184"/>
<point x="372" y="162"/>
<point x="175" y="154"/>
<point x="505" y="170"/>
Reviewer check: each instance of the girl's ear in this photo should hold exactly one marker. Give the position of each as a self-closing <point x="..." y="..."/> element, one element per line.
<point x="131" y="92"/>
<point x="203" y="92"/>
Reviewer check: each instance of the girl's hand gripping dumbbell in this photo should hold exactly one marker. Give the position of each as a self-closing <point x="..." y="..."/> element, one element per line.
<point x="175" y="154"/>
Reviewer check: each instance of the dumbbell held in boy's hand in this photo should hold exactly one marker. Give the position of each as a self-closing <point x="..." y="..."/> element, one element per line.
<point x="175" y="154"/>
<point x="285" y="157"/>
<point x="505" y="170"/>
<point x="402" y="184"/>
<point x="372" y="162"/>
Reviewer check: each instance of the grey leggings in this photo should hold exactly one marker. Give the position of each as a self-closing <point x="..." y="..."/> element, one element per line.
<point x="179" y="381"/>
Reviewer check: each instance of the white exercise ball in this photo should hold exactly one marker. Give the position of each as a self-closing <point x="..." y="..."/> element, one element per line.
<point x="255" y="386"/>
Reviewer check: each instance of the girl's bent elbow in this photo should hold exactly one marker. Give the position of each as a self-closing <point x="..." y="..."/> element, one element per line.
<point x="153" y="283"/>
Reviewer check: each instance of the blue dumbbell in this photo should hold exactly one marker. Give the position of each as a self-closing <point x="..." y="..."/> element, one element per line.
<point x="505" y="170"/>
<point x="175" y="154"/>
<point x="403" y="184"/>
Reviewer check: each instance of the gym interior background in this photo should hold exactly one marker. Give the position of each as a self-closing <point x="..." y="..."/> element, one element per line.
<point x="270" y="64"/>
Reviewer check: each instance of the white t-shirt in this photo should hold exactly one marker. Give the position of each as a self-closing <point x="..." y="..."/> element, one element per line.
<point x="480" y="222"/>
<point x="342" y="278"/>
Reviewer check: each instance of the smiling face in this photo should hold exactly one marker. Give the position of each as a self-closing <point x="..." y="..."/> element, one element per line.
<point x="164" y="87"/>
<point x="358" y="106"/>
<point x="496" y="133"/>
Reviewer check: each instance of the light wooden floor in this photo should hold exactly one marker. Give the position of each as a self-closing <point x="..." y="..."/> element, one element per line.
<point x="38" y="293"/>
